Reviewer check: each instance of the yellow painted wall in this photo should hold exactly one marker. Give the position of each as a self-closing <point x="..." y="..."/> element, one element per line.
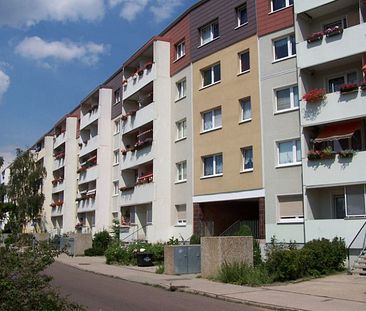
<point x="233" y="136"/>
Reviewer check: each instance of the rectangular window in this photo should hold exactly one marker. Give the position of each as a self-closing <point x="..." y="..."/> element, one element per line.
<point x="211" y="120"/>
<point x="355" y="200"/>
<point x="341" y="23"/>
<point x="180" y="50"/>
<point x="181" y="171"/>
<point x="287" y="98"/>
<point x="280" y="4"/>
<point x="115" y="187"/>
<point x="247" y="153"/>
<point x="242" y="15"/>
<point x="290" y="208"/>
<point x="209" y="32"/>
<point x="284" y="47"/>
<point x="181" y="129"/>
<point x="115" y="157"/>
<point x="181" y="89"/>
<point x="244" y="61"/>
<point x="289" y="152"/>
<point x="211" y="75"/>
<point x="246" y="109"/>
<point x="339" y="206"/>
<point x="117" y="96"/>
<point x="212" y="165"/>
<point x="117" y="126"/>
<point x="181" y="211"/>
<point x="335" y="83"/>
<point x="149" y="215"/>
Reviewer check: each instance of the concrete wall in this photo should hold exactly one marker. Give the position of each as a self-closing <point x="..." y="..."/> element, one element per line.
<point x="215" y="251"/>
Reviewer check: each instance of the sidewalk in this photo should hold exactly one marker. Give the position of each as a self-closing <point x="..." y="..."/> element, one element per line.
<point x="337" y="292"/>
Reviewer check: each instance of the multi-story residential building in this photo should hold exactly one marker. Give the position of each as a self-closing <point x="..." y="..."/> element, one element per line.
<point x="330" y="58"/>
<point x="280" y="121"/>
<point x="4" y="180"/>
<point x="228" y="182"/>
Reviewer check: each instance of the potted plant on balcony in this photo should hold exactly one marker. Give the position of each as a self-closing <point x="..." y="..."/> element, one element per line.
<point x="314" y="155"/>
<point x="346" y="154"/>
<point x="148" y="65"/>
<point x="348" y="87"/>
<point x="124" y="151"/>
<point x="316" y="36"/>
<point x="53" y="204"/>
<point x="327" y="153"/>
<point x="314" y="96"/>
<point x="59" y="202"/>
<point x="124" y="117"/>
<point x="78" y="226"/>
<point x="140" y="71"/>
<point x="333" y="31"/>
<point x="54" y="182"/>
<point x="124" y="82"/>
<point x="81" y="169"/>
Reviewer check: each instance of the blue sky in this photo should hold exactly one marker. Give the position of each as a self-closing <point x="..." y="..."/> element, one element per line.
<point x="54" y="52"/>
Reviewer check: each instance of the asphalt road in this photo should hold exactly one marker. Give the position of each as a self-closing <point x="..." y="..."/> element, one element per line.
<point x="103" y="293"/>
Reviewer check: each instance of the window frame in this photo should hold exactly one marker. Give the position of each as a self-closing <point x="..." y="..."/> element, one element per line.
<point x="116" y="157"/>
<point x="181" y="86"/>
<point x="238" y="11"/>
<point x="181" y="127"/>
<point x="287" y="5"/>
<point x="182" y="50"/>
<point x="294" y="153"/>
<point x="115" y="188"/>
<point x="180" y="222"/>
<point x="211" y="69"/>
<point x="181" y="172"/>
<point x="214" y="165"/>
<point x="241" y="71"/>
<point x="292" y="98"/>
<point x="209" y="25"/>
<point x="117" y="99"/>
<point x="289" y="47"/>
<point x="117" y="127"/>
<point x="213" y="120"/>
<point x="294" y="219"/>
<point x="243" y="150"/>
<point x="241" y="102"/>
<point x="343" y="75"/>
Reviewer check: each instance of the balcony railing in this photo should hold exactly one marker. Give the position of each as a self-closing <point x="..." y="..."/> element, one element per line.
<point x="59" y="140"/>
<point x="139" y="118"/>
<point x="58" y="185"/>
<point x="88" y="146"/>
<point x="142" y="192"/>
<point x="89" y="117"/>
<point x="88" y="175"/>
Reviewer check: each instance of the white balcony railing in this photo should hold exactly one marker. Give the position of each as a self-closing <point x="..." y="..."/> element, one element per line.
<point x="337" y="171"/>
<point x="59" y="140"/>
<point x="88" y="175"/>
<point x="87" y="205"/>
<point x="58" y="163"/>
<point x="89" y="146"/>
<point x="136" y="82"/>
<point x="57" y="211"/>
<point x="139" y="194"/>
<point x="137" y="157"/>
<point x="58" y="187"/>
<point x="335" y="107"/>
<point x="142" y="117"/>
<point x="303" y="6"/>
<point x="347" y="44"/>
<point x="89" y="118"/>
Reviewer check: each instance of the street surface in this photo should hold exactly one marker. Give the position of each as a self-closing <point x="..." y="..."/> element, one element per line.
<point x="102" y="293"/>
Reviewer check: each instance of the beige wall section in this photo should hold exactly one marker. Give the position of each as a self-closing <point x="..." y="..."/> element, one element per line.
<point x="233" y="136"/>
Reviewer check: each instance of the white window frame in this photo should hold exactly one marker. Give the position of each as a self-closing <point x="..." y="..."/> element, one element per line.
<point x="289" y="47"/>
<point x="115" y="188"/>
<point x="243" y="150"/>
<point x="181" y="169"/>
<point x="238" y="10"/>
<point x="295" y="218"/>
<point x="287" y="4"/>
<point x="181" y="89"/>
<point x="346" y="202"/>
<point x="180" y="50"/>
<point x="215" y="126"/>
<point x="180" y="222"/>
<point x="343" y="75"/>
<point x="242" y="101"/>
<point x="294" y="152"/>
<point x="292" y="98"/>
<point x="212" y="72"/>
<point x="240" y="64"/>
<point x="115" y="157"/>
<point x="215" y="173"/>
<point x="210" y="27"/>
<point x="117" y="126"/>
<point x="181" y="129"/>
<point x="117" y="99"/>
<point x="149" y="215"/>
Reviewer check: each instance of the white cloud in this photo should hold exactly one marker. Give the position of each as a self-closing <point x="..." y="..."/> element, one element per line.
<point x="4" y="83"/>
<point x="131" y="8"/>
<point x="8" y="153"/>
<point x="38" y="49"/>
<point x="17" y="13"/>
<point x="163" y="9"/>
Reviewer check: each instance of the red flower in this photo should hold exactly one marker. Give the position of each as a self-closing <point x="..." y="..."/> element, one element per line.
<point x="314" y="95"/>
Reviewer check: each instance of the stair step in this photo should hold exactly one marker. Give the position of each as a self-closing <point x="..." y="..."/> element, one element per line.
<point x="359" y="271"/>
<point x="360" y="266"/>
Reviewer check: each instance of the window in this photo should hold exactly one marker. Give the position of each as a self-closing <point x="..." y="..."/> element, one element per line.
<point x="280" y="4"/>
<point x="115" y="187"/>
<point x="290" y="208"/>
<point x="181" y="89"/>
<point x="351" y="203"/>
<point x="335" y="83"/>
<point x="341" y="23"/>
<point x="246" y="109"/>
<point x="117" y="96"/>
<point x="247" y="158"/>
<point x="244" y="61"/>
<point x="287" y="98"/>
<point x="181" y="171"/>
<point x="289" y="152"/>
<point x="242" y="15"/>
<point x="180" y="50"/>
<point x="212" y="165"/>
<point x="149" y="215"/>
<point x="209" y="32"/>
<point x="115" y="157"/>
<point x="284" y="47"/>
<point x="117" y="126"/>
<point x="181" y="212"/>
<point x="211" y="120"/>
<point x="181" y="129"/>
<point x="339" y="206"/>
<point x="211" y="75"/>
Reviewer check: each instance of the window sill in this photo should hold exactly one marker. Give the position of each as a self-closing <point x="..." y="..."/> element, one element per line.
<point x="179" y="58"/>
<point x="288" y="165"/>
<point x="207" y="86"/>
<point x="240" y="26"/>
<point x="211" y="176"/>
<point x="180" y="139"/>
<point x="211" y="130"/>
<point x="202" y="45"/>
<point x="281" y="9"/>
<point x="180" y="225"/>
<point x="180" y="181"/>
<point x="245" y="121"/>
<point x="356" y="217"/>
<point x="115" y="164"/>
<point x="116" y="133"/>
<point x="180" y="98"/>
<point x="283" y="59"/>
<point x="115" y="195"/>
<point x="243" y="72"/>
<point x="249" y="170"/>
<point x="291" y="221"/>
<point x="286" y="110"/>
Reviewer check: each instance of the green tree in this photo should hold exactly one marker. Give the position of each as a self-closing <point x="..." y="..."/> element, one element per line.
<point x="24" y="191"/>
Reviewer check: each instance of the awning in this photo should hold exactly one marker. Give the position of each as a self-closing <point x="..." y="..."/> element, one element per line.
<point x="338" y="131"/>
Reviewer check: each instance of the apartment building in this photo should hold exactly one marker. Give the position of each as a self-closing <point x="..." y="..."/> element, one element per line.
<point x="330" y="58"/>
<point x="280" y="121"/>
<point x="4" y="180"/>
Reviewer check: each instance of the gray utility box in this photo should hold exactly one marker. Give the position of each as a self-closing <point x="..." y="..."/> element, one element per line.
<point x="182" y="259"/>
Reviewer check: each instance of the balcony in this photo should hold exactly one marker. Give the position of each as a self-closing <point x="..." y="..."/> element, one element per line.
<point x="88" y="175"/>
<point x="59" y="140"/>
<point x="303" y="6"/>
<point x="142" y="116"/>
<point x="138" y="157"/>
<point x="88" y="146"/>
<point x="332" y="48"/>
<point x="58" y="163"/>
<point x="337" y="171"/>
<point x="89" y="117"/>
<point x="58" y="185"/>
<point x="139" y="194"/>
<point x="138" y="80"/>
<point x="57" y="211"/>
<point x="334" y="107"/>
<point x="86" y="205"/>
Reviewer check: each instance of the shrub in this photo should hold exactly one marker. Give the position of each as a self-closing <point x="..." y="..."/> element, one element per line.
<point x="257" y="255"/>
<point x="115" y="253"/>
<point x="244" y="230"/>
<point x="195" y="239"/>
<point x="100" y="244"/>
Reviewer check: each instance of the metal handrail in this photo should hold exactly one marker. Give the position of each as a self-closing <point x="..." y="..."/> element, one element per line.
<point x="230" y="228"/>
<point x="349" y="246"/>
<point x="125" y="238"/>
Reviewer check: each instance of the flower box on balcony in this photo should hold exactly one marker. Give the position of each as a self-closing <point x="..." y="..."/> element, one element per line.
<point x="140" y="71"/>
<point x="346" y="154"/>
<point x="54" y="182"/>
<point x="79" y="226"/>
<point x="123" y="189"/>
<point x="314" y="96"/>
<point x="124" y="82"/>
<point x="363" y="85"/>
<point x="348" y="87"/>
<point x="53" y="204"/>
<point x="333" y="31"/>
<point x="124" y="117"/>
<point x="148" y="65"/>
<point x="124" y="151"/>
<point x="316" y="36"/>
<point x="81" y="169"/>
<point x="131" y="113"/>
<point x="59" y="202"/>
<point x="314" y="155"/>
